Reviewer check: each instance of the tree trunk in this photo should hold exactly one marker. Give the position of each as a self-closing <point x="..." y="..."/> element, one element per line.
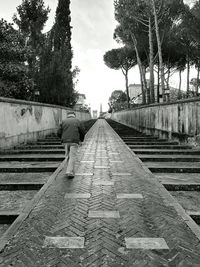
<point x="158" y="86"/>
<point x="127" y="92"/>
<point x="142" y="88"/>
<point x="188" y="76"/>
<point x="168" y="76"/>
<point x="146" y="86"/>
<point x="161" y="66"/>
<point x="151" y="64"/>
<point x="197" y="85"/>
<point x="143" y="78"/>
<point x="180" y="82"/>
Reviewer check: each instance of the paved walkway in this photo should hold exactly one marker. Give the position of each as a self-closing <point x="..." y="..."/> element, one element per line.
<point x="113" y="213"/>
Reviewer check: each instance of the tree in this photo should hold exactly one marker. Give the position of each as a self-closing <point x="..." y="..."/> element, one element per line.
<point x="14" y="78"/>
<point x="136" y="13"/>
<point x="139" y="16"/>
<point x="122" y="58"/>
<point x="132" y="33"/>
<point x="117" y="100"/>
<point x="75" y="74"/>
<point x="56" y="80"/>
<point x="31" y="18"/>
<point x="194" y="27"/>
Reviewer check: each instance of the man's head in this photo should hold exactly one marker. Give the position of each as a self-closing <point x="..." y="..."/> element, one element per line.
<point x="71" y="114"/>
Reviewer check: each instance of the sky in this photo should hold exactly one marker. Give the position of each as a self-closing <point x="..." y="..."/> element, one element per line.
<point x="92" y="35"/>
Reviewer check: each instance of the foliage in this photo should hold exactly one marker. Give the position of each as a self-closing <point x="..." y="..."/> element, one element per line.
<point x="117" y="100"/>
<point x="57" y="85"/>
<point x="31" y="18"/>
<point x="165" y="34"/>
<point x="14" y="80"/>
<point x="121" y="58"/>
<point x="56" y="77"/>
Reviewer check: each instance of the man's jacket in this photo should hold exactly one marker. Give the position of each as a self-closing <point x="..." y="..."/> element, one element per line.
<point x="71" y="131"/>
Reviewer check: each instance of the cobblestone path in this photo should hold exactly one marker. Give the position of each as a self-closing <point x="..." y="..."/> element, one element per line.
<point x="113" y="213"/>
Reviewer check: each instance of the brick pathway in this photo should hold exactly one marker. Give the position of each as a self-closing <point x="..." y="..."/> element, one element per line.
<point x="113" y="213"/>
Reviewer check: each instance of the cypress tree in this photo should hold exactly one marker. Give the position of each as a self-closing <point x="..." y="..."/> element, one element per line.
<point x="58" y="87"/>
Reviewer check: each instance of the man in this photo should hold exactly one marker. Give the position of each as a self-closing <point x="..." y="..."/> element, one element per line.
<point x="72" y="133"/>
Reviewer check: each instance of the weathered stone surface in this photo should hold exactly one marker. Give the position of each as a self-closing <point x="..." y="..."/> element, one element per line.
<point x="64" y="242"/>
<point x="77" y="195"/>
<point x="103" y="214"/>
<point x="130" y="196"/>
<point x="121" y="174"/>
<point x="146" y="243"/>
<point x="84" y="174"/>
<point x="106" y="183"/>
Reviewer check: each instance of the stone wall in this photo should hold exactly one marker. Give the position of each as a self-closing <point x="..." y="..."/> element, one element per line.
<point x="23" y="121"/>
<point x="178" y="120"/>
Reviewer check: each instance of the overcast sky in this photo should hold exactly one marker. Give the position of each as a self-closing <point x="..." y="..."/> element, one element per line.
<point x="92" y="35"/>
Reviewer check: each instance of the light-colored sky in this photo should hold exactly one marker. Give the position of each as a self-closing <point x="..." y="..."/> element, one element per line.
<point x="92" y="35"/>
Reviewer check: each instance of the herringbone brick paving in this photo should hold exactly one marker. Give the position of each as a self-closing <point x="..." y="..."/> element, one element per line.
<point x="108" y="159"/>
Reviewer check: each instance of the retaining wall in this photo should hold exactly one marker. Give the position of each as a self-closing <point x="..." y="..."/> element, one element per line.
<point x="23" y="121"/>
<point x="178" y="120"/>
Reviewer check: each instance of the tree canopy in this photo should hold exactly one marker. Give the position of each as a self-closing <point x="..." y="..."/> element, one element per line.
<point x="165" y="36"/>
<point x="13" y="70"/>
<point x="121" y="58"/>
<point x="117" y="100"/>
<point x="36" y="63"/>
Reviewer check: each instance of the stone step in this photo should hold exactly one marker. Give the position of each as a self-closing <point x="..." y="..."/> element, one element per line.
<point x="181" y="178"/>
<point x="195" y="215"/>
<point x="20" y="186"/>
<point x="31" y="157"/>
<point x="167" y="158"/>
<point x="189" y="200"/>
<point x="172" y="164"/>
<point x="49" y="139"/>
<point x="28" y="167"/>
<point x="148" y="143"/>
<point x="128" y="133"/>
<point x="171" y="167"/>
<point x="145" y="140"/>
<point x="167" y="151"/>
<point x="176" y="186"/>
<point x="159" y="146"/>
<point x="13" y="202"/>
<point x="37" y="146"/>
<point x="48" y="143"/>
<point x="8" y="217"/>
<point x="141" y="138"/>
<point x="25" y="177"/>
<point x="33" y="151"/>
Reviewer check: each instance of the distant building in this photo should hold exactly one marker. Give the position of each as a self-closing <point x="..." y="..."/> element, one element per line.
<point x="80" y="101"/>
<point x="135" y="93"/>
<point x="101" y="111"/>
<point x="94" y="114"/>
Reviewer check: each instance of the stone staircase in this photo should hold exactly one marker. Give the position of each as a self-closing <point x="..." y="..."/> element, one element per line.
<point x="176" y="166"/>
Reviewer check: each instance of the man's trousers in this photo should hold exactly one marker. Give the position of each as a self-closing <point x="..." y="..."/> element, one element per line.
<point x="71" y="154"/>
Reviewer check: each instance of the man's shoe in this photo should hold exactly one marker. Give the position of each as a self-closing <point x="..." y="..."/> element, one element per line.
<point x="70" y="175"/>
